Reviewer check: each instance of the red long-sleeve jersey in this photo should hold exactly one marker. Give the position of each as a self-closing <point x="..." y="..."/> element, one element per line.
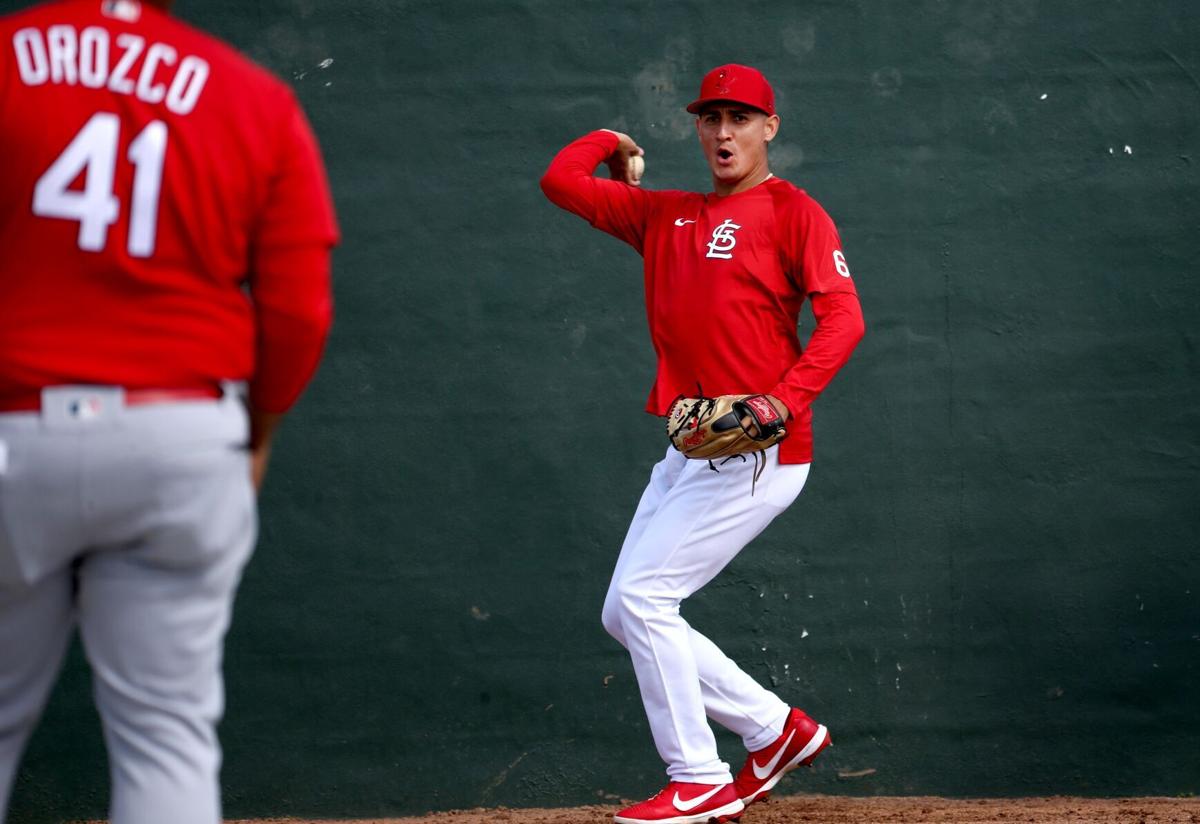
<point x="725" y="278"/>
<point x="165" y="219"/>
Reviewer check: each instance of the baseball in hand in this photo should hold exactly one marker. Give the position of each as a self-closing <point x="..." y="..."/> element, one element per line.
<point x="637" y="166"/>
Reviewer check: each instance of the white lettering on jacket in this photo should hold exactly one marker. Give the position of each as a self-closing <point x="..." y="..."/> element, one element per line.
<point x="61" y="55"/>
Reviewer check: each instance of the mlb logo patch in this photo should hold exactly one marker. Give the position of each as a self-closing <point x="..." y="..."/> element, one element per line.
<point x="129" y="11"/>
<point x="85" y="409"/>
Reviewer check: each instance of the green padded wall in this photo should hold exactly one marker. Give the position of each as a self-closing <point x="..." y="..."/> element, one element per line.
<point x="991" y="584"/>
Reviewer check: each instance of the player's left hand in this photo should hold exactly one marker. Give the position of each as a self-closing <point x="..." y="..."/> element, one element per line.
<point x="780" y="407"/>
<point x="720" y="427"/>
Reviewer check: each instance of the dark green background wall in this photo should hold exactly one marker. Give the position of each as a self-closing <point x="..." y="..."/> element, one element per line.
<point x="991" y="584"/>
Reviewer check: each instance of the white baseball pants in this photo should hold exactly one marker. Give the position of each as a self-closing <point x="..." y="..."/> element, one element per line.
<point x="135" y="524"/>
<point x="691" y="522"/>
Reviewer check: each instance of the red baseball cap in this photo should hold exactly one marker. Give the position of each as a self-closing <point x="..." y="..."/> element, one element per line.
<point x="733" y="83"/>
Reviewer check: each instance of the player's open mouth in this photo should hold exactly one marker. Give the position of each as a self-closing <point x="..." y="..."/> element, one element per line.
<point x="724" y="156"/>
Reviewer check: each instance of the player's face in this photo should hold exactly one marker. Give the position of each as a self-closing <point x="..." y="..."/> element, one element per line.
<point x="734" y="139"/>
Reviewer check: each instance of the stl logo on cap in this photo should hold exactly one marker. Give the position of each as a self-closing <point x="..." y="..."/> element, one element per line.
<point x="722" y="86"/>
<point x="734" y="83"/>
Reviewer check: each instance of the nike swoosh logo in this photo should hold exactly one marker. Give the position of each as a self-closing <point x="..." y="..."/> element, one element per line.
<point x="681" y="221"/>
<point x="693" y="803"/>
<point x="762" y="772"/>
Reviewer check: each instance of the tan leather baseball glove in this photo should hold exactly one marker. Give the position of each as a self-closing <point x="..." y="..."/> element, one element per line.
<point x="712" y="428"/>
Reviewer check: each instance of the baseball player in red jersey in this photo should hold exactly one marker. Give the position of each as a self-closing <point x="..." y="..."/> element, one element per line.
<point x="166" y="226"/>
<point x="725" y="276"/>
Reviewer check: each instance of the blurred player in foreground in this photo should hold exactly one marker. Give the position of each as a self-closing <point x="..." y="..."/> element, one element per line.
<point x="725" y="277"/>
<point x="166" y="228"/>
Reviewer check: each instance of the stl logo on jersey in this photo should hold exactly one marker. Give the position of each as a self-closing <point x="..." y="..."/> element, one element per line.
<point x="723" y="241"/>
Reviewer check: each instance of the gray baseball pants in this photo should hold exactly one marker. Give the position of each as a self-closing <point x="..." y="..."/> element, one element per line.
<point x="134" y="524"/>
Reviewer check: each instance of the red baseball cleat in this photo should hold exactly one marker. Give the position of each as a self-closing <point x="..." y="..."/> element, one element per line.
<point x="802" y="740"/>
<point x="681" y="803"/>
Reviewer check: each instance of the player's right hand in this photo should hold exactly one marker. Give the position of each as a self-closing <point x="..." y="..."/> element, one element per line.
<point x="618" y="162"/>
<point x="263" y="426"/>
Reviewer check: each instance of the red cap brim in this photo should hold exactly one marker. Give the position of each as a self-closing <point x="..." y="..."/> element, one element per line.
<point x="695" y="106"/>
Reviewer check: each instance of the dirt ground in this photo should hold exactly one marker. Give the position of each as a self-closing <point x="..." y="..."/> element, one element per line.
<point x="836" y="810"/>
